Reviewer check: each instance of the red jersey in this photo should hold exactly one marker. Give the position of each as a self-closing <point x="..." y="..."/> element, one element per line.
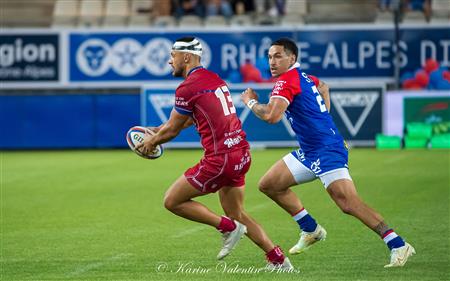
<point x="206" y="98"/>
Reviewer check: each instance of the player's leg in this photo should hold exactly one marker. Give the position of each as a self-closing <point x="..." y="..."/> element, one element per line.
<point x="232" y="201"/>
<point x="344" y="193"/>
<point x="276" y="184"/>
<point x="178" y="200"/>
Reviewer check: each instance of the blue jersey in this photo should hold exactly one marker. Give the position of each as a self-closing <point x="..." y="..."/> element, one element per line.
<point x="307" y="113"/>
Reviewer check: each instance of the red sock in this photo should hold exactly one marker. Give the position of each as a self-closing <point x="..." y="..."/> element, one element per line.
<point x="275" y="255"/>
<point x="226" y="225"/>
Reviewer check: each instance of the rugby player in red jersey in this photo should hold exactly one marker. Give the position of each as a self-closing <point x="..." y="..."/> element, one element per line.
<point x="204" y="99"/>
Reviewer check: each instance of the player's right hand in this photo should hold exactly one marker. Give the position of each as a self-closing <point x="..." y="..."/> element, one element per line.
<point x="248" y="94"/>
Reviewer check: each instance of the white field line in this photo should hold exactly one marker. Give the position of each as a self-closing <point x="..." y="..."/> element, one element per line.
<point x="85" y="268"/>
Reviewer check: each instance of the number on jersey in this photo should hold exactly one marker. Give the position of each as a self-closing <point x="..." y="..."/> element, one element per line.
<point x="319" y="99"/>
<point x="223" y="94"/>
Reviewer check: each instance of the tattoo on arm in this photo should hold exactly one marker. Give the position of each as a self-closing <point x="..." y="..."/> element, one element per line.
<point x="381" y="228"/>
<point x="260" y="110"/>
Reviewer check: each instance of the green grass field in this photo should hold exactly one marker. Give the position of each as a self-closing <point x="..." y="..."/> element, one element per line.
<point x="98" y="215"/>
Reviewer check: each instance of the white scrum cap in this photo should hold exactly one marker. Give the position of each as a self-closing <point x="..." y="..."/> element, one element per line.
<point x="193" y="47"/>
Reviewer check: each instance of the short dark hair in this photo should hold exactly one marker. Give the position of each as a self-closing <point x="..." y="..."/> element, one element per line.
<point x="288" y="44"/>
<point x="186" y="39"/>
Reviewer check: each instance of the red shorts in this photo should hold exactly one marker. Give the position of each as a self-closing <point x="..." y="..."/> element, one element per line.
<point x="214" y="172"/>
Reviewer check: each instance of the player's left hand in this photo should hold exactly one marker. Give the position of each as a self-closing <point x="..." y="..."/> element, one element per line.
<point x="147" y="146"/>
<point x="248" y="94"/>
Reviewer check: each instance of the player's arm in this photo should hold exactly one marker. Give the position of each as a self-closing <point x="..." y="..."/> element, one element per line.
<point x="167" y="131"/>
<point x="271" y="112"/>
<point x="187" y="124"/>
<point x="324" y="91"/>
<point x="171" y="128"/>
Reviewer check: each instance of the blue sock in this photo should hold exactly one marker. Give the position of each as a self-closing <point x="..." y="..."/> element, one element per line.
<point x="392" y="240"/>
<point x="305" y="221"/>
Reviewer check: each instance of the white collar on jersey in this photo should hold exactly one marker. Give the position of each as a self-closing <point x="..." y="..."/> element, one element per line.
<point x="296" y="65"/>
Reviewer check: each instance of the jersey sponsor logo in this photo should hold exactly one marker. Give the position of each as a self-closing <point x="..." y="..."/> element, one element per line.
<point x="244" y="160"/>
<point x="181" y="103"/>
<point x="278" y="87"/>
<point x="365" y="100"/>
<point x="315" y="166"/>
<point x="300" y="155"/>
<point x="230" y="142"/>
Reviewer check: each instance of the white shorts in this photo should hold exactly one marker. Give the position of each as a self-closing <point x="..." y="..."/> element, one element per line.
<point x="303" y="174"/>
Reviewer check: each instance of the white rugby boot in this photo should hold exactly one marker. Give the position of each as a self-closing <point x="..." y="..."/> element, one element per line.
<point x="400" y="255"/>
<point x="230" y="239"/>
<point x="307" y="239"/>
<point x="286" y="266"/>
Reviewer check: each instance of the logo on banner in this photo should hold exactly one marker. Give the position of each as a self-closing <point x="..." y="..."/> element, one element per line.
<point x="93" y="57"/>
<point x="343" y="102"/>
<point x="157" y="56"/>
<point x="127" y="56"/>
<point x="29" y="57"/>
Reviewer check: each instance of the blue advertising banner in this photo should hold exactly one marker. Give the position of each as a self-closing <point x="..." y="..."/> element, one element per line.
<point x="341" y="52"/>
<point x="145" y="56"/>
<point x="29" y="57"/>
<point x="357" y="113"/>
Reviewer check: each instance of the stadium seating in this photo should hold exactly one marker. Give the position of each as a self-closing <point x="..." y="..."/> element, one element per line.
<point x="296" y="7"/>
<point x="120" y="13"/>
<point x="141" y="13"/>
<point x="164" y="21"/>
<point x="385" y="17"/>
<point x="215" y="21"/>
<point x="91" y="13"/>
<point x="65" y="13"/>
<point x="440" y="10"/>
<point x="241" y="20"/>
<point x="291" y="19"/>
<point x="341" y="11"/>
<point x="265" y="20"/>
<point x="190" y="21"/>
<point x="116" y="13"/>
<point x="31" y="13"/>
<point x="414" y="17"/>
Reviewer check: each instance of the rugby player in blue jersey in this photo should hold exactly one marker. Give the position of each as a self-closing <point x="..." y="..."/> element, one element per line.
<point x="322" y="154"/>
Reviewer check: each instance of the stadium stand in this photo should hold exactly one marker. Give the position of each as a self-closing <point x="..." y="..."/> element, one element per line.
<point x="190" y="20"/>
<point x="215" y="21"/>
<point x="440" y="10"/>
<point x="65" y="13"/>
<point x="160" y="13"/>
<point x="291" y="19"/>
<point x="91" y="13"/>
<point x="341" y="11"/>
<point x="32" y="13"/>
<point x="384" y="17"/>
<point x="141" y="13"/>
<point x="241" y="20"/>
<point x="414" y="17"/>
<point x="116" y="13"/>
<point x="296" y="7"/>
<point x="164" y="21"/>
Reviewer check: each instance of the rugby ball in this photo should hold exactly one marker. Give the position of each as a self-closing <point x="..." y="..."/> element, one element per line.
<point x="135" y="135"/>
